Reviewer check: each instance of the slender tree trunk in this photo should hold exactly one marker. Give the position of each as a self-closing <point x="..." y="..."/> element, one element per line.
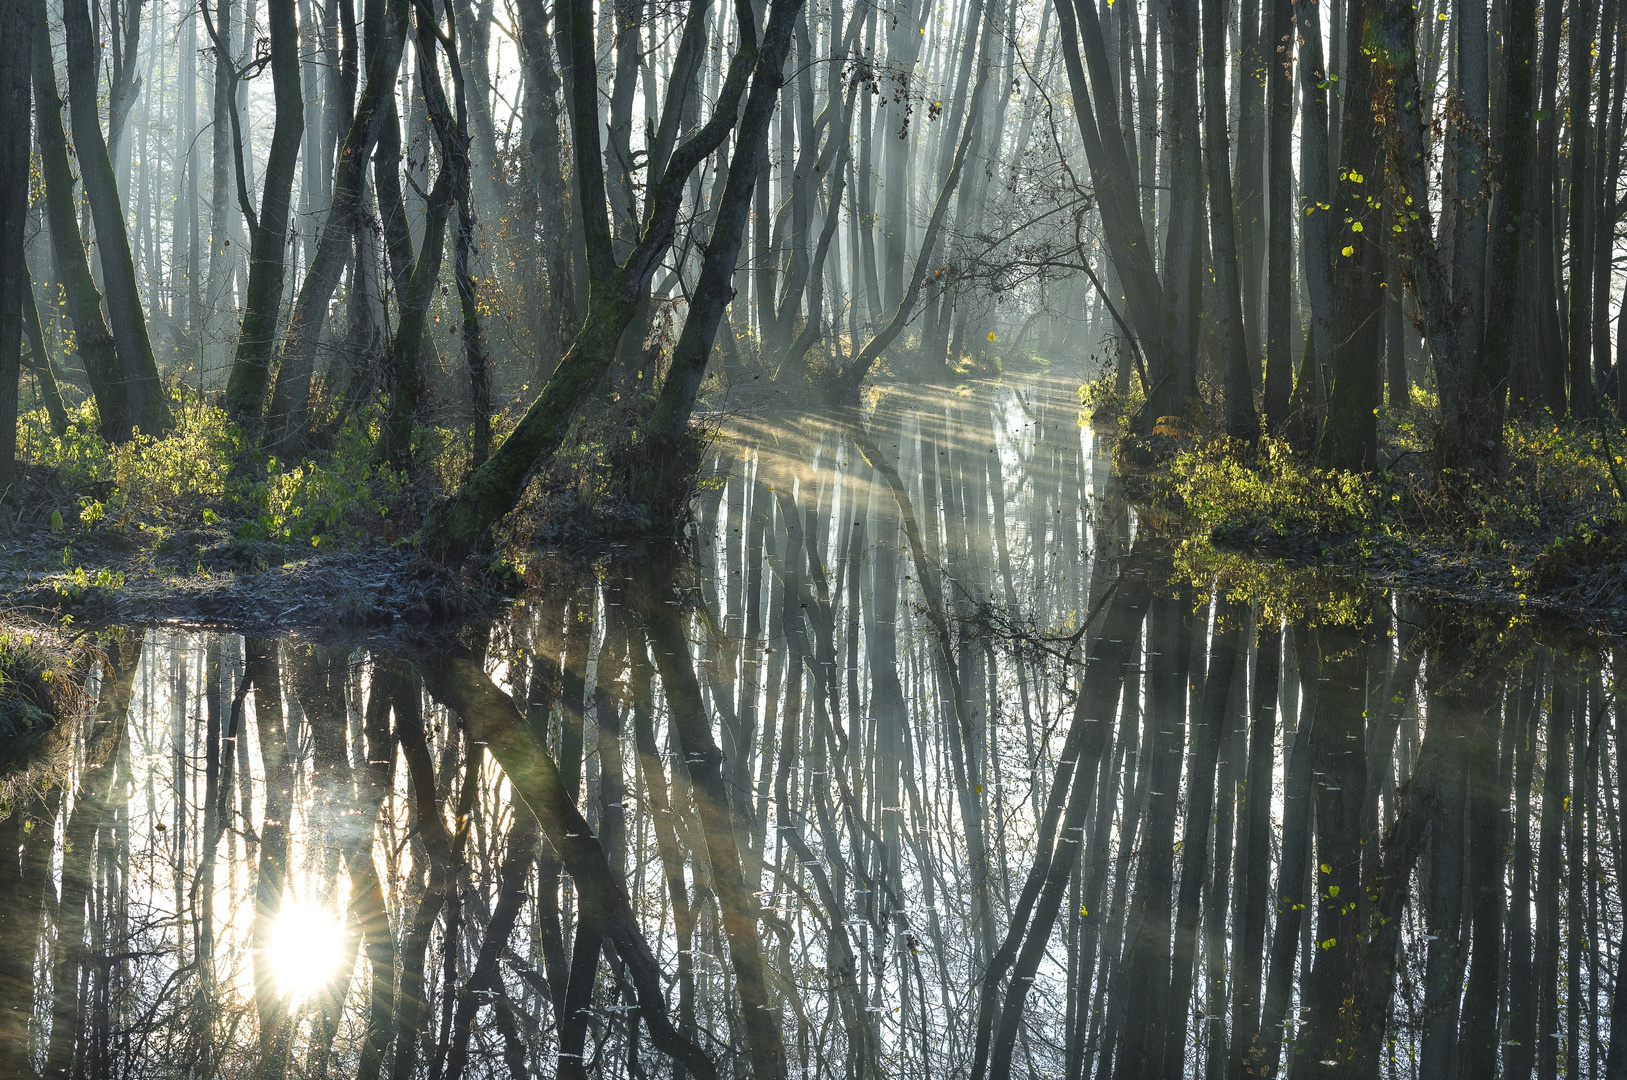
<point x="92" y="338"/>
<point x="16" y="71"/>
<point x="145" y="404"/>
<point x="1281" y="326"/>
<point x="286" y="417"/>
<point x="268" y="229"/>
<point x="1241" y="422"/>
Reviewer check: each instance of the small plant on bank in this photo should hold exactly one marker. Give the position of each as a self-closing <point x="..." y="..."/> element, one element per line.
<point x="1265" y="497"/>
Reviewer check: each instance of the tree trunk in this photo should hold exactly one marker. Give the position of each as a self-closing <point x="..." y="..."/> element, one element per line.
<point x="93" y="339"/>
<point x="1349" y="439"/>
<point x="456" y="525"/>
<point x="1281" y="325"/>
<point x="290" y="396"/>
<point x="144" y="398"/>
<point x="1241" y="422"/>
<point x="16" y="70"/>
<point x="268" y="230"/>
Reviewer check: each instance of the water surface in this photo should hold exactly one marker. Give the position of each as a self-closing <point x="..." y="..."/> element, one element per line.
<point x="928" y="758"/>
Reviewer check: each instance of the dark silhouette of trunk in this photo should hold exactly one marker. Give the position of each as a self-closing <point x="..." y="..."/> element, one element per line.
<point x="1281" y="325"/>
<point x="1331" y="1030"/>
<point x="270" y="1003"/>
<point x="491" y="718"/>
<point x="69" y="954"/>
<point x="1489" y="838"/>
<point x="1349" y="438"/>
<point x="145" y="405"/>
<point x="1550" y="864"/>
<point x="1316" y="226"/>
<point x="1127" y="240"/>
<point x="703" y="764"/>
<point x="1199" y="809"/>
<point x="1241" y="422"/>
<point x="1582" y="24"/>
<point x="16" y="93"/>
<point x="1100" y="687"/>
<point x="93" y="340"/>
<point x="367" y="906"/>
<point x="268" y="225"/>
<point x="38" y="359"/>
<point x="551" y="191"/>
<point x="1522" y="1008"/>
<point x="1249" y="174"/>
<point x="27" y="847"/>
<point x="1450" y="707"/>
<point x="1147" y="948"/>
<point x="1293" y="892"/>
<point x="1254" y="900"/>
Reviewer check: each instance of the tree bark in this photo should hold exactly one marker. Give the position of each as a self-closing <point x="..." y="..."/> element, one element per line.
<point x="268" y="229"/>
<point x="1241" y="422"/>
<point x="290" y="396"/>
<point x="16" y="70"/>
<point x="144" y="398"/>
<point x="1349" y="438"/>
<point x="97" y="351"/>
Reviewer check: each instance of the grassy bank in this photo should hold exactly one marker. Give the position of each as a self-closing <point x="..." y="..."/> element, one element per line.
<point x="1548" y="532"/>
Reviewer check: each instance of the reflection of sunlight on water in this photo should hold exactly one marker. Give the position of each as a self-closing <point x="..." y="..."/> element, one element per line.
<point x="304" y="948"/>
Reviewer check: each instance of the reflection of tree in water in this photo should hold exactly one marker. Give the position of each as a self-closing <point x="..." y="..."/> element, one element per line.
<point x="926" y="764"/>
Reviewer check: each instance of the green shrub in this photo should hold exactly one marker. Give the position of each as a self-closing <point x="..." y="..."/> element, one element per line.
<point x="186" y="479"/>
<point x="1266" y="496"/>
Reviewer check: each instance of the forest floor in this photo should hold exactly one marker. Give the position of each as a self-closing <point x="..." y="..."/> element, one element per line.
<point x="90" y="578"/>
<point x="1546" y="537"/>
<point x="186" y="530"/>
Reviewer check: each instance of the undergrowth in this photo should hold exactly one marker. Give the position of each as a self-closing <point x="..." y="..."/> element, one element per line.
<point x="1551" y="522"/>
<point x="185" y="480"/>
<point x="39" y="693"/>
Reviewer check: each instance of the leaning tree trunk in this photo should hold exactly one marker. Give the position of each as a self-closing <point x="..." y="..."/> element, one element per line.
<point x="457" y="525"/>
<point x="92" y="337"/>
<point x="145" y="404"/>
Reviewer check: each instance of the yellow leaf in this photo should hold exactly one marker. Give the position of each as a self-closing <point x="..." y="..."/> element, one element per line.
<point x="1348" y="251"/>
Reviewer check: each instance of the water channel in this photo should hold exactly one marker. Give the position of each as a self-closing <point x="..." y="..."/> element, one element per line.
<point x="929" y="757"/>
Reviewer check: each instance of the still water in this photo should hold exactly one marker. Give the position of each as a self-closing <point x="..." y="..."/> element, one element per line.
<point x="928" y="758"/>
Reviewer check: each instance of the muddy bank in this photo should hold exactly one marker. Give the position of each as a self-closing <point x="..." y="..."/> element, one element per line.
<point x="93" y="578"/>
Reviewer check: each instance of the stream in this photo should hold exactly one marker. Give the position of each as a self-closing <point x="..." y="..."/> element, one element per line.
<point x="929" y="757"/>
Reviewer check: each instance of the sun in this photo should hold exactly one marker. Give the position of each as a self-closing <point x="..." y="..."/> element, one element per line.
<point x="304" y="948"/>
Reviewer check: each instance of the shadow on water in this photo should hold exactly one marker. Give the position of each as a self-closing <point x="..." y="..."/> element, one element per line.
<point x="929" y="758"/>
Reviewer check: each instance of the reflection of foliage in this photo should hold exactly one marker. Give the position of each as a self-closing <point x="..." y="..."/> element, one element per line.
<point x="1283" y="591"/>
<point x="39" y="691"/>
